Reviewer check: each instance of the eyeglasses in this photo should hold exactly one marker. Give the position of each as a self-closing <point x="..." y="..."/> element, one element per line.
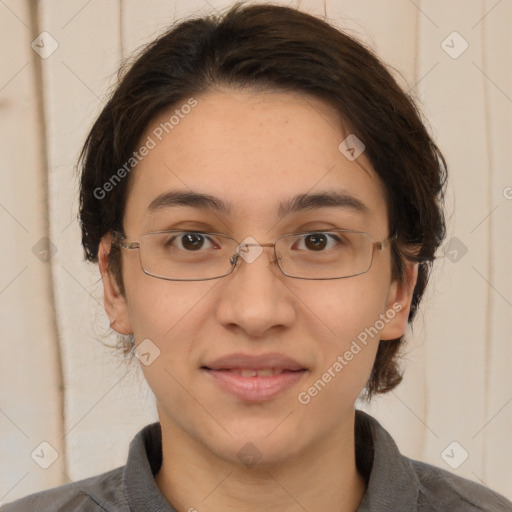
<point x="177" y="255"/>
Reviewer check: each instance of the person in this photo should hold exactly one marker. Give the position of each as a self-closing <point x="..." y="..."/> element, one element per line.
<point x="265" y="204"/>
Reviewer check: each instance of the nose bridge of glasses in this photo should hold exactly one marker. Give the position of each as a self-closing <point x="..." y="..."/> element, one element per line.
<point x="250" y="249"/>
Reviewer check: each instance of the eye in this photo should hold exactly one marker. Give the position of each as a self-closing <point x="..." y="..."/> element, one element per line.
<point x="319" y="241"/>
<point x="190" y="241"/>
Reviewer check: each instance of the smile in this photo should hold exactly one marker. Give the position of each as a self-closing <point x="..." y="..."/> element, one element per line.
<point x="254" y="378"/>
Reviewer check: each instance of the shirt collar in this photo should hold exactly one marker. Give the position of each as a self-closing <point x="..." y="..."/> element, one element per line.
<point x="391" y="481"/>
<point x="144" y="461"/>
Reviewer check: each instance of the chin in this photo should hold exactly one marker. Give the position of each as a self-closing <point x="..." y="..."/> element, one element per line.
<point x="257" y="445"/>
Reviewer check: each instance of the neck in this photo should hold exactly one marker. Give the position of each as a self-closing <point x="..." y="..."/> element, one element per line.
<point x="323" y="477"/>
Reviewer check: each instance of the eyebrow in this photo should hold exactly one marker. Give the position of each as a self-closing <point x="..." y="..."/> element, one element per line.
<point x="297" y="203"/>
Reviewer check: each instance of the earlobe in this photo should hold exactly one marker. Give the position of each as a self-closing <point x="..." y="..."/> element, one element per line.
<point x="113" y="300"/>
<point x="399" y="304"/>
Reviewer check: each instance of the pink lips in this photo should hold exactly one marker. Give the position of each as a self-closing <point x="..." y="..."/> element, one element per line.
<point x="255" y="378"/>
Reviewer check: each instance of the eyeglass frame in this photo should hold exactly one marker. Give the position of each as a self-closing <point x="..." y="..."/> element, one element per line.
<point x="119" y="238"/>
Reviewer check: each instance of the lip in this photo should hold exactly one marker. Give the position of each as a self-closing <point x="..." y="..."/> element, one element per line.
<point x="255" y="362"/>
<point x="257" y="388"/>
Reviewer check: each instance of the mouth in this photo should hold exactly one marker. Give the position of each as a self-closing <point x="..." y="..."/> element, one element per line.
<point x="255" y="378"/>
<point x="252" y="372"/>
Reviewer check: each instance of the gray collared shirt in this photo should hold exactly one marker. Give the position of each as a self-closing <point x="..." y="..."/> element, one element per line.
<point x="394" y="483"/>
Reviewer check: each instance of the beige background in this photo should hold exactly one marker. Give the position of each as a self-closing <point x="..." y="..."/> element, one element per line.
<point x="59" y="385"/>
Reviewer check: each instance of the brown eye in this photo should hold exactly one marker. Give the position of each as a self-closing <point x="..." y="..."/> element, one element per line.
<point x="192" y="241"/>
<point x="315" y="241"/>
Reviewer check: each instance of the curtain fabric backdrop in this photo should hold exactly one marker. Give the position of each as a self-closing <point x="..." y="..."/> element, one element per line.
<point x="68" y="407"/>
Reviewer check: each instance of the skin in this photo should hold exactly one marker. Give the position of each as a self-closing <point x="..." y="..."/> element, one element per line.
<point x="255" y="149"/>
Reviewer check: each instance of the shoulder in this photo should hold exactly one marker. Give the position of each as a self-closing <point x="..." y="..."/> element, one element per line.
<point x="441" y="490"/>
<point x="399" y="483"/>
<point x="95" y="494"/>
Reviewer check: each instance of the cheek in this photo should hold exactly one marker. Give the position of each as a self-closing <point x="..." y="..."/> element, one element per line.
<point x="352" y="306"/>
<point x="346" y="354"/>
<point x="166" y="319"/>
<point x="158" y="309"/>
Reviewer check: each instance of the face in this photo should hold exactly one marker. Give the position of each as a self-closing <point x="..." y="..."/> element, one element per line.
<point x="255" y="151"/>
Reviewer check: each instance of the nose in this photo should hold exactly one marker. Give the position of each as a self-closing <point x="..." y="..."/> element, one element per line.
<point x="255" y="298"/>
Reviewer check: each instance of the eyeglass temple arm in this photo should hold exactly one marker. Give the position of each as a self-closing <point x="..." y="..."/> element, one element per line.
<point x="119" y="240"/>
<point x="386" y="242"/>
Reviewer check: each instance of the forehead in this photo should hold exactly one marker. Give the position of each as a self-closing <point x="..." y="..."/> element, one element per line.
<point x="256" y="151"/>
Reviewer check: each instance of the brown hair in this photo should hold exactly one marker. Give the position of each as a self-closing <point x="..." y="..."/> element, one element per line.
<point x="271" y="47"/>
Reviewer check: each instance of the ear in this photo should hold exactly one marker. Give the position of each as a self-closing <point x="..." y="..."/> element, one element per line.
<point x="113" y="300"/>
<point x="399" y="303"/>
